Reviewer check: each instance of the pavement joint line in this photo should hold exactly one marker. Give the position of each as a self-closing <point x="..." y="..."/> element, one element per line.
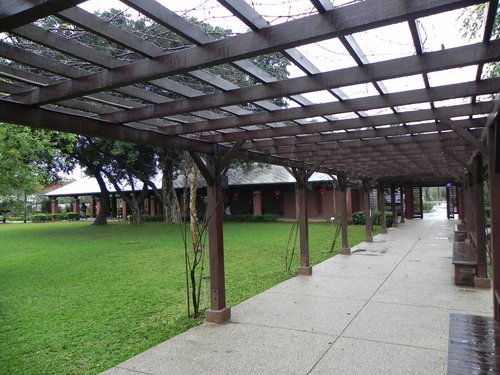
<point x="396" y="344"/>
<point x="369" y="299"/>
<point x="451" y="309"/>
<point x="286" y="329"/>
<point x="316" y="296"/>
<point x="136" y="371"/>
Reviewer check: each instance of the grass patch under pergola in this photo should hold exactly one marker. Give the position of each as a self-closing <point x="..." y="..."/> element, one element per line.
<point x="76" y="298"/>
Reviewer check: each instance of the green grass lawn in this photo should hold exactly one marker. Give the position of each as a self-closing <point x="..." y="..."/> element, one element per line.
<point x="78" y="299"/>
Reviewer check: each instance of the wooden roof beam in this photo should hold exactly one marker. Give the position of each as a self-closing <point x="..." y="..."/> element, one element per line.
<point x="349" y="124"/>
<point x="446" y="59"/>
<point x="14" y="13"/>
<point x="332" y="108"/>
<point x="342" y="21"/>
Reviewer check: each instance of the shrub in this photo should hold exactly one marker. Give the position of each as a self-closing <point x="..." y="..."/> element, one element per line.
<point x="16" y="218"/>
<point x="358" y="218"/>
<point x="428" y="206"/>
<point x="252" y="218"/>
<point x="39" y="218"/>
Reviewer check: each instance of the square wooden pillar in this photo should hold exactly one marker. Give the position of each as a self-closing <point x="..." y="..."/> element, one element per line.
<point x="213" y="168"/>
<point x="54" y="208"/>
<point x="480" y="222"/>
<point x="344" y="219"/>
<point x="381" y="207"/>
<point x="113" y="205"/>
<point x="76" y="208"/>
<point x="393" y="207"/>
<point x="301" y="176"/>
<point x="494" y="184"/>
<point x="257" y="203"/>
<point x="368" y="216"/>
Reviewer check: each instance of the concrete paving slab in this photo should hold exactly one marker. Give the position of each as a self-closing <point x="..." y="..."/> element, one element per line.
<point x="311" y="314"/>
<point x="327" y="286"/>
<point x="422" y="272"/>
<point x="232" y="349"/>
<point x="357" y="270"/>
<point x="387" y="307"/>
<point x="354" y="357"/>
<point x="423" y="327"/>
<point x="444" y="296"/>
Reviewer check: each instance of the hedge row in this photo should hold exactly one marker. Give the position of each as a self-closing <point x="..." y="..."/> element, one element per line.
<point x="358" y="218"/>
<point x="251" y="218"/>
<point x="42" y="218"/>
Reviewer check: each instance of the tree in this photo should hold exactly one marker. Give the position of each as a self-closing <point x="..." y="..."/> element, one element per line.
<point x="28" y="162"/>
<point x="472" y="26"/>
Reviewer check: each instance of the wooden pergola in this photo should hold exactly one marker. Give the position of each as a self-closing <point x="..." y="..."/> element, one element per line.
<point x="429" y="135"/>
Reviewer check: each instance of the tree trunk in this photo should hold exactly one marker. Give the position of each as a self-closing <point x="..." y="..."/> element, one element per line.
<point x="102" y="215"/>
<point x="171" y="208"/>
<point x="137" y="209"/>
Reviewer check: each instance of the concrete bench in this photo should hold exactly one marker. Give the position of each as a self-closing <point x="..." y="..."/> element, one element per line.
<point x="465" y="262"/>
<point x="460" y="232"/>
<point x="473" y="345"/>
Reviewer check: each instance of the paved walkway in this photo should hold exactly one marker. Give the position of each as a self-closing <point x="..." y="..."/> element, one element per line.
<point x="383" y="310"/>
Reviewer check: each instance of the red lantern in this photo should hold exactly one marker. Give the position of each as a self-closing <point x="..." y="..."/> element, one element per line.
<point x="322" y="190"/>
<point x="277" y="193"/>
<point x="236" y="194"/>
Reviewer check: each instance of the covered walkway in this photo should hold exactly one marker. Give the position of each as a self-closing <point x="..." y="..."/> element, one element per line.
<point x="382" y="310"/>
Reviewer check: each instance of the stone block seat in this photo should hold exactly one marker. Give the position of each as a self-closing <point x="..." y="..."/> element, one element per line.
<point x="465" y="262"/>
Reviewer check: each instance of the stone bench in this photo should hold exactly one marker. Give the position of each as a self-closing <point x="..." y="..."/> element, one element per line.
<point x="474" y="345"/>
<point x="460" y="232"/>
<point x="465" y="262"/>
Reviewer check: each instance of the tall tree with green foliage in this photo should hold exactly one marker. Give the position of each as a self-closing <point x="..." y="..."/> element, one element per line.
<point x="473" y="26"/>
<point x="29" y="160"/>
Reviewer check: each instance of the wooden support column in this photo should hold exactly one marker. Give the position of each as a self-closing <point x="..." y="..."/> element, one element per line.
<point x="346" y="250"/>
<point x="53" y="205"/>
<point x="381" y="207"/>
<point x="214" y="168"/>
<point x="393" y="207"/>
<point x="481" y="279"/>
<point x="368" y="215"/>
<point x="470" y="223"/>
<point x="301" y="176"/>
<point x="460" y="202"/>
<point x="113" y="205"/>
<point x="494" y="184"/>
<point x="124" y="209"/>
<point x="403" y="203"/>
<point x="76" y="207"/>
<point x="257" y="203"/>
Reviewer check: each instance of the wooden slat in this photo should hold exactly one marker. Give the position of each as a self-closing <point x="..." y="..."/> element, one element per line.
<point x="342" y="21"/>
<point x="446" y="59"/>
<point x="14" y="13"/>
<point x="332" y="108"/>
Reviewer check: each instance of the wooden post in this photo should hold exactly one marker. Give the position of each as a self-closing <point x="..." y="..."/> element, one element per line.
<point x="346" y="250"/>
<point x="214" y="168"/>
<point x="393" y="207"/>
<point x="76" y="208"/>
<point x="301" y="176"/>
<point x="113" y="205"/>
<point x="368" y="216"/>
<point x="494" y="183"/>
<point x="401" y="199"/>
<point x="53" y="205"/>
<point x="257" y="203"/>
<point x="460" y="202"/>
<point x="381" y="207"/>
<point x="480" y="223"/>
